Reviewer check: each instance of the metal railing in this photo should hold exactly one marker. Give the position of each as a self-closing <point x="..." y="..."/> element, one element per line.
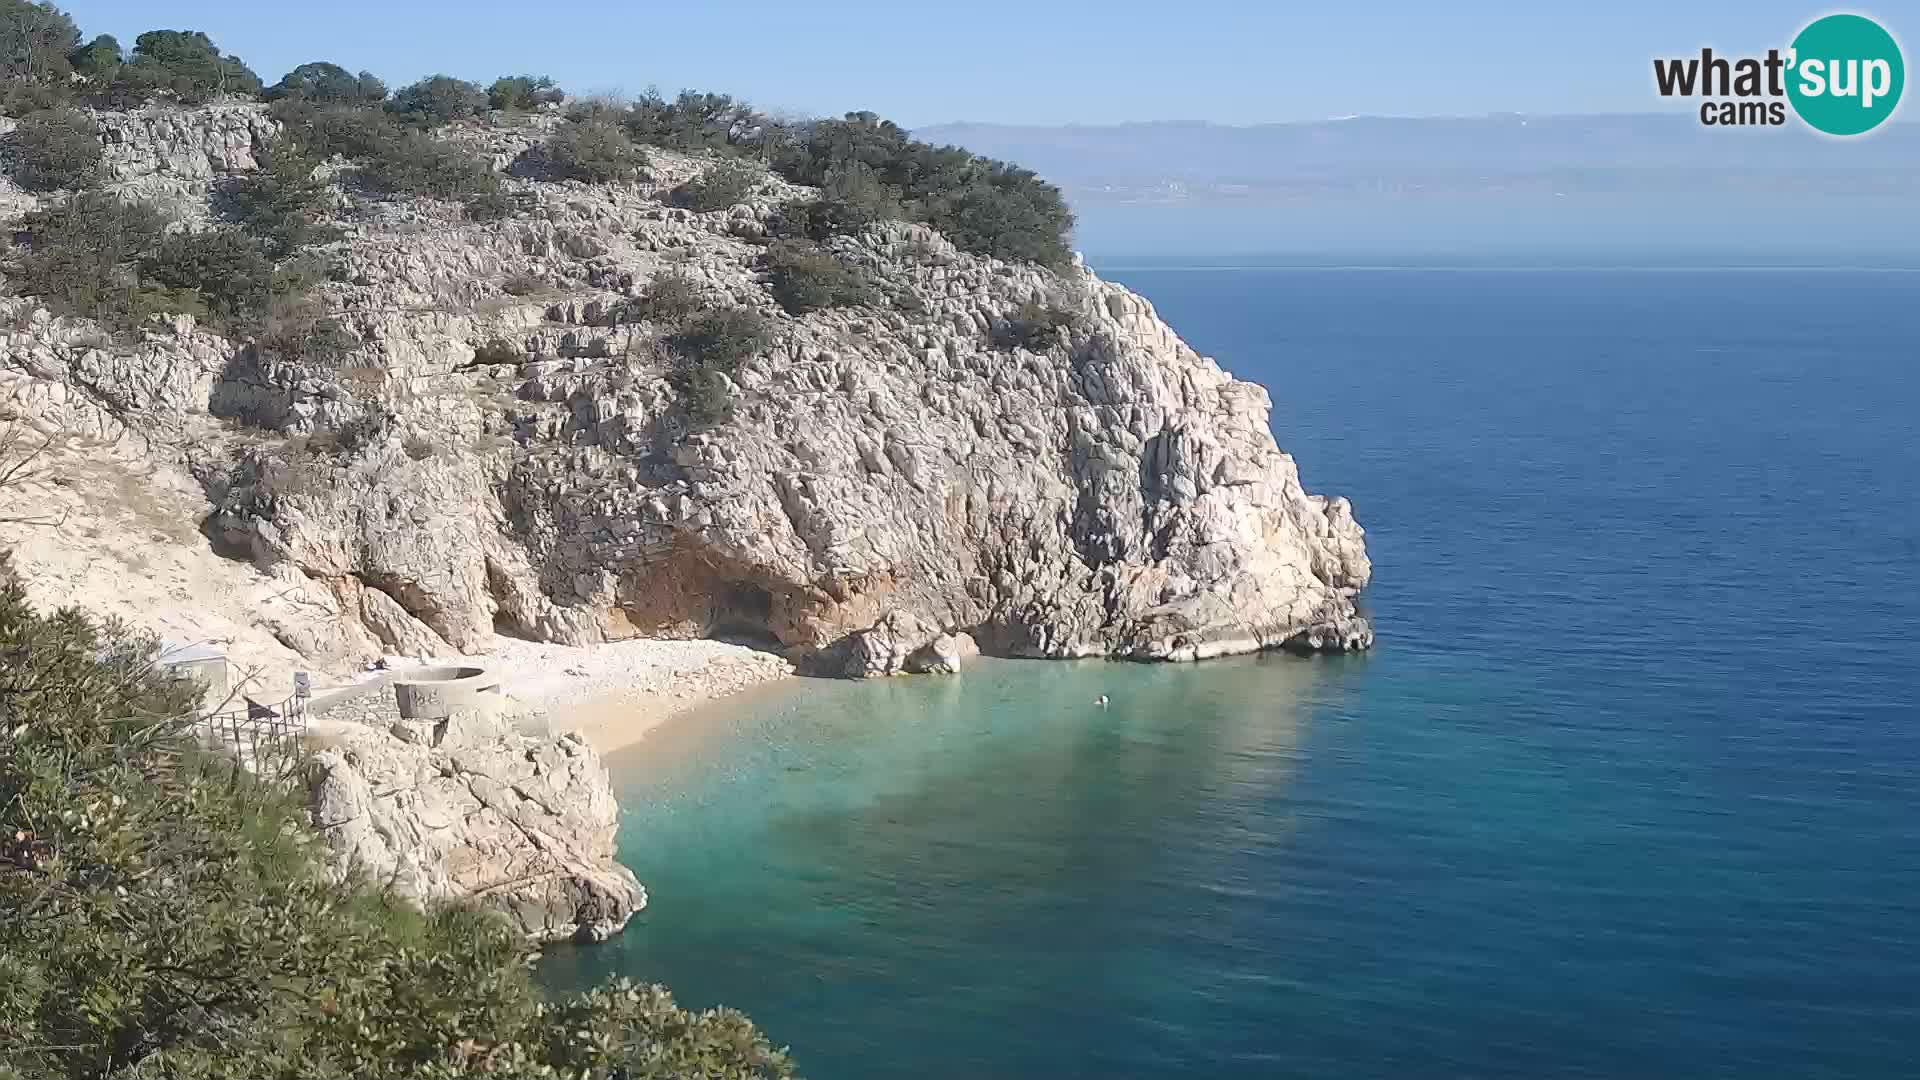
<point x="263" y="738"/>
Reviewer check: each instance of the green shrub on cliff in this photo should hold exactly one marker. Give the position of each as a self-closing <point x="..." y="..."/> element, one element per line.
<point x="84" y="257"/>
<point x="437" y="101"/>
<point x="414" y="163"/>
<point x="283" y="202"/>
<point x="984" y="206"/>
<point x="594" y="150"/>
<point x="693" y="121"/>
<point x="808" y="278"/>
<point x="522" y="93"/>
<point x="851" y="199"/>
<point x="57" y="148"/>
<point x="167" y="915"/>
<point x="102" y="258"/>
<point x="707" y="351"/>
<point x="723" y="185"/>
<point x="327" y="130"/>
<point x="185" y="65"/>
<point x="1037" y="326"/>
<point x="669" y="299"/>
<point x="325" y="83"/>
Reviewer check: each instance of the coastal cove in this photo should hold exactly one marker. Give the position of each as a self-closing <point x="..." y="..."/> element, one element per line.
<point x="1625" y="788"/>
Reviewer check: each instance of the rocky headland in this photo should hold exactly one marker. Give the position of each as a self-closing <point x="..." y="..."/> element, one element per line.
<point x="499" y="447"/>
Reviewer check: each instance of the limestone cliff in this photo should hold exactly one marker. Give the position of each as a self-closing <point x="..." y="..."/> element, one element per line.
<point x="1108" y="493"/>
<point x="896" y="486"/>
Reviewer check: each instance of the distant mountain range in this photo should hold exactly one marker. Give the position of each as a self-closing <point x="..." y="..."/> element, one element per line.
<point x="1626" y="153"/>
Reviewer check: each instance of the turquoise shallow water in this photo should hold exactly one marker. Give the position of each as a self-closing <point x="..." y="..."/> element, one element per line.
<point x="1627" y="789"/>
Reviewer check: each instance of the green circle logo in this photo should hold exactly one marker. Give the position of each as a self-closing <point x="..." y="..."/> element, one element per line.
<point x="1846" y="74"/>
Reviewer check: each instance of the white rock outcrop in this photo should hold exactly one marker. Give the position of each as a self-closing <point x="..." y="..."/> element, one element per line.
<point x="524" y="825"/>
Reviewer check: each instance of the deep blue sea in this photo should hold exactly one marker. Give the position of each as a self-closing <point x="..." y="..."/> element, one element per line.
<point x="1630" y="787"/>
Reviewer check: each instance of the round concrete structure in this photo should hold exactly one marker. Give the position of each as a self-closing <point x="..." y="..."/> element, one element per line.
<point x="433" y="693"/>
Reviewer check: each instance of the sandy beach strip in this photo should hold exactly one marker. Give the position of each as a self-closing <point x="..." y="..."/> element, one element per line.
<point x="616" y="693"/>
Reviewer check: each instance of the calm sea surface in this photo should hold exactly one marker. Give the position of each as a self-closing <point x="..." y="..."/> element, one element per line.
<point x="1630" y="787"/>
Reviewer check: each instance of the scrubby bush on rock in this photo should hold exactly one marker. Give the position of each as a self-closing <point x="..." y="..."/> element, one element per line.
<point x="25" y="98"/>
<point x="597" y="151"/>
<point x="523" y="284"/>
<point x="692" y="121"/>
<point x="334" y="130"/>
<point x="723" y="185"/>
<point x="1036" y="326"/>
<point x="489" y="204"/>
<point x="98" y="257"/>
<point x="283" y="202"/>
<point x="57" y="148"/>
<point x="850" y="200"/>
<point x="168" y="915"/>
<point x="983" y="206"/>
<point x="670" y="299"/>
<point x="185" y="65"/>
<point x="498" y="351"/>
<point x="226" y="268"/>
<point x="437" y="101"/>
<point x="523" y="93"/>
<point x="83" y="257"/>
<point x="300" y="327"/>
<point x="415" y="163"/>
<point x="808" y="278"/>
<point x="324" y="83"/>
<point x="708" y="350"/>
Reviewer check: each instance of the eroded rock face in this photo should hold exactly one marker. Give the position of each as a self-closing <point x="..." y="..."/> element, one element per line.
<point x="890" y="476"/>
<point x="185" y="145"/>
<point x="524" y="825"/>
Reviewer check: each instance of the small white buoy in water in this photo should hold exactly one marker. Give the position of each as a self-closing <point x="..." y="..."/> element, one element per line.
<point x="1101" y="701"/>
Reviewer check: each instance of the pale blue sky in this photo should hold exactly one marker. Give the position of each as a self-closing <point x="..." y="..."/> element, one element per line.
<point x="1014" y="61"/>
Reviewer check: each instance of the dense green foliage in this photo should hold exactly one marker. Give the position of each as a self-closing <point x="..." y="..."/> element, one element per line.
<point x="984" y="206"/>
<point x="396" y="159"/>
<point x="328" y="84"/>
<point x="523" y="93"/>
<point x="283" y="202"/>
<point x="437" y="101"/>
<point x="693" y="121"/>
<point x="56" y="148"/>
<point x="723" y="185"/>
<point x="850" y="200"/>
<point x="707" y="350"/>
<point x="85" y="256"/>
<point x="415" y="163"/>
<point x="167" y="916"/>
<point x="35" y="41"/>
<point x="99" y="257"/>
<point x="328" y="130"/>
<point x="99" y="58"/>
<point x="595" y="150"/>
<point x="182" y="64"/>
<point x="225" y="267"/>
<point x="808" y="278"/>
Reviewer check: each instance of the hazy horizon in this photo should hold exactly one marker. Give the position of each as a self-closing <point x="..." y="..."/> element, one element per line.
<point x="1077" y="61"/>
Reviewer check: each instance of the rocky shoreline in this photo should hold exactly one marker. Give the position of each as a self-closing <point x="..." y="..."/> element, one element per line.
<point x="992" y="456"/>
